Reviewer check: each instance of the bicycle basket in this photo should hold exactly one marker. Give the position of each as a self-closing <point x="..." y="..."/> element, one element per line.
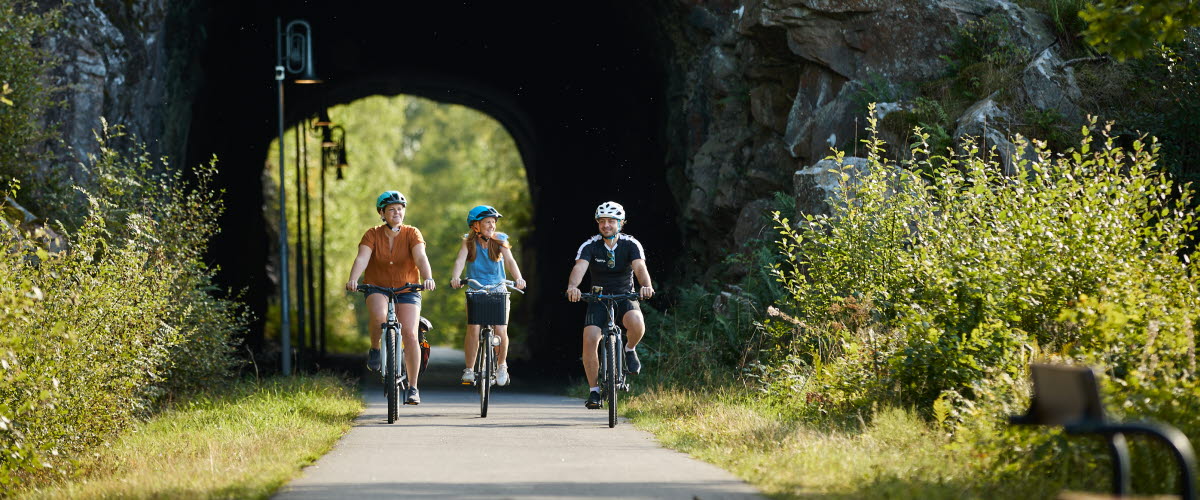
<point x="487" y="308"/>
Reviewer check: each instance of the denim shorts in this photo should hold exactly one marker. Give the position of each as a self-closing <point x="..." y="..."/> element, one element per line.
<point x="405" y="298"/>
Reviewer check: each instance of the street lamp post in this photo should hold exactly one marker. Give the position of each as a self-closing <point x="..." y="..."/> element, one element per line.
<point x="333" y="153"/>
<point x="293" y="54"/>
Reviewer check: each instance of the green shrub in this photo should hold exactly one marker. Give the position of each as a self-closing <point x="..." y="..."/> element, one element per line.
<point x="712" y="334"/>
<point x="967" y="274"/>
<point x="1158" y="94"/>
<point x="99" y="333"/>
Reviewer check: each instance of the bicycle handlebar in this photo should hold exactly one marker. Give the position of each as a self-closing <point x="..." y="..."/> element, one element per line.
<point x="480" y="287"/>
<point x="408" y="287"/>
<point x="597" y="297"/>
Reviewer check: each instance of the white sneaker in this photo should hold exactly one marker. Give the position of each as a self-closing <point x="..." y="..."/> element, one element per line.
<point x="502" y="375"/>
<point x="468" y="377"/>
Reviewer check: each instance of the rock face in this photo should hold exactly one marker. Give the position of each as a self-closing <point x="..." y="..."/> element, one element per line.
<point x="764" y="89"/>
<point x="116" y="63"/>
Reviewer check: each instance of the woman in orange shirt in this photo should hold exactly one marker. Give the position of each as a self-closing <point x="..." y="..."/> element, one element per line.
<point x="392" y="255"/>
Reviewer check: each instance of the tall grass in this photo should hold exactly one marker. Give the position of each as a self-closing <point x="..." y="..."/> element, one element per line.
<point x="244" y="440"/>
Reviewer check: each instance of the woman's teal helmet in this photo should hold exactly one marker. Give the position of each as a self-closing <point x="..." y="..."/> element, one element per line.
<point x="481" y="212"/>
<point x="390" y="198"/>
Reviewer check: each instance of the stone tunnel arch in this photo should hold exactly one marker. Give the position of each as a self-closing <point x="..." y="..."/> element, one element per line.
<point x="580" y="88"/>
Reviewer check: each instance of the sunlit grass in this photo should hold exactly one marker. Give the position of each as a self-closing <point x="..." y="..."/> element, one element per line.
<point x="895" y="454"/>
<point x="244" y="440"/>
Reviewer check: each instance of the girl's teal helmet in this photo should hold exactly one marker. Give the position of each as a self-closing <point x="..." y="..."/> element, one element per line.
<point x="481" y="212"/>
<point x="390" y="198"/>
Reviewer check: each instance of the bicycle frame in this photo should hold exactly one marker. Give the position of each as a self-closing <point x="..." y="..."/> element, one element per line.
<point x="612" y="375"/>
<point x="395" y="372"/>
<point x="485" y="359"/>
<point x="615" y="332"/>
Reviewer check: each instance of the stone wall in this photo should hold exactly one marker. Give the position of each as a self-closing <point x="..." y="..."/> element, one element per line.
<point x="124" y="62"/>
<point x="762" y="89"/>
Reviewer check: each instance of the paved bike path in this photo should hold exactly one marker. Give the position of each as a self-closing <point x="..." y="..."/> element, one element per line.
<point x="530" y="445"/>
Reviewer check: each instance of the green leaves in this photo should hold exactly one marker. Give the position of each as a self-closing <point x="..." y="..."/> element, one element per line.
<point x="93" y="337"/>
<point x="1127" y="29"/>
<point x="966" y="269"/>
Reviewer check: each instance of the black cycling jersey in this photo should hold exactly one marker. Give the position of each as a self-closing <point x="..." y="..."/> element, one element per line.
<point x="615" y="274"/>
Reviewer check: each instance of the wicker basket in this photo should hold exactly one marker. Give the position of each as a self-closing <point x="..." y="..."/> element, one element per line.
<point x="487" y="308"/>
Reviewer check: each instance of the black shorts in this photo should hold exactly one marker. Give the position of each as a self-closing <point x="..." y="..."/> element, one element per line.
<point x="597" y="312"/>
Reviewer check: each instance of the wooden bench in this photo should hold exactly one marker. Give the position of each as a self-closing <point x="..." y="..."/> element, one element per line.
<point x="1069" y="397"/>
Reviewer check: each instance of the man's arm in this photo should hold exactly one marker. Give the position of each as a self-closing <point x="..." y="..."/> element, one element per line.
<point x="643" y="277"/>
<point x="573" y="292"/>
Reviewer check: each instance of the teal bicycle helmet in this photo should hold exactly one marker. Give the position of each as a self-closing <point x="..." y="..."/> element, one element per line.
<point x="481" y="212"/>
<point x="390" y="198"/>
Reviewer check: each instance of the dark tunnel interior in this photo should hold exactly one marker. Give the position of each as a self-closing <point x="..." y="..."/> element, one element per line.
<point x="580" y="86"/>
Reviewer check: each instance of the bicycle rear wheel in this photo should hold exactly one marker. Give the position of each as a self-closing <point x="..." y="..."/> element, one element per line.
<point x="611" y="365"/>
<point x="486" y="370"/>
<point x="391" y="373"/>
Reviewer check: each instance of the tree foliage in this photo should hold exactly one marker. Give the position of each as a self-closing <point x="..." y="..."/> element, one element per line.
<point x="1130" y="29"/>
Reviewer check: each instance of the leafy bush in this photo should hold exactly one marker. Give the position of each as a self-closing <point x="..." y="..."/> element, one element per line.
<point x="99" y="333"/>
<point x="988" y="39"/>
<point x="966" y="275"/>
<point x="710" y="334"/>
<point x="1158" y="94"/>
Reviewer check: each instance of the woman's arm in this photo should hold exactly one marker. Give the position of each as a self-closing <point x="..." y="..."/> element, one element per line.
<point x="459" y="262"/>
<point x="511" y="264"/>
<point x="422" y="261"/>
<point x="360" y="265"/>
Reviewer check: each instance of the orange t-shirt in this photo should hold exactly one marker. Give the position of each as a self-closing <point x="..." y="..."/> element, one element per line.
<point x="392" y="264"/>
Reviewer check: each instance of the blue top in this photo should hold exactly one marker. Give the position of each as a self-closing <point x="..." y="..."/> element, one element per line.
<point x="484" y="269"/>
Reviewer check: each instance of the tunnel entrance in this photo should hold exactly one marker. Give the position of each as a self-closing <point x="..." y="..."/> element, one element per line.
<point x="444" y="158"/>
<point x="581" y="89"/>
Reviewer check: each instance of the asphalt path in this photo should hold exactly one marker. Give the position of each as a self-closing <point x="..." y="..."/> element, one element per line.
<point x="531" y="445"/>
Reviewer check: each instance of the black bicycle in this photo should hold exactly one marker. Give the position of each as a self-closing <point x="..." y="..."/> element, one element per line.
<point x="487" y="306"/>
<point x="612" y="376"/>
<point x="395" y="375"/>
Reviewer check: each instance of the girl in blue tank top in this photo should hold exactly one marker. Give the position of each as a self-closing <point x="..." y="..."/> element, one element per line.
<point x="485" y="254"/>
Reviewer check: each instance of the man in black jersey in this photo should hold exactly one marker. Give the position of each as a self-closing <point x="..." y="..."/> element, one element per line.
<point x="614" y="259"/>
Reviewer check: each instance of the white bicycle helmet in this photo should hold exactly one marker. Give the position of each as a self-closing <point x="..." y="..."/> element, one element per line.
<point x="610" y="209"/>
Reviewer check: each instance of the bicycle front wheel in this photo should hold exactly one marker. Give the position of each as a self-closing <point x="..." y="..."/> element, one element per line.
<point x="486" y="362"/>
<point x="611" y="365"/>
<point x="391" y="384"/>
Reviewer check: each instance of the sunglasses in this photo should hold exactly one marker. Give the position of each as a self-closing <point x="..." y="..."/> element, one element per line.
<point x="612" y="259"/>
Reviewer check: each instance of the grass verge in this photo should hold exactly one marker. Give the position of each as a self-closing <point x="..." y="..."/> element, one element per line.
<point x="243" y="440"/>
<point x="893" y="454"/>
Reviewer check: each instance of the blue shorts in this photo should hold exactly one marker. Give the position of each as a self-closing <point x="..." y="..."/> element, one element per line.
<point x="405" y="298"/>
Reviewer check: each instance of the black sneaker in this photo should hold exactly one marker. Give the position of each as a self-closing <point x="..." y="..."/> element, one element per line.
<point x="414" y="396"/>
<point x="373" y="362"/>
<point x="632" y="365"/>
<point x="593" y="401"/>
